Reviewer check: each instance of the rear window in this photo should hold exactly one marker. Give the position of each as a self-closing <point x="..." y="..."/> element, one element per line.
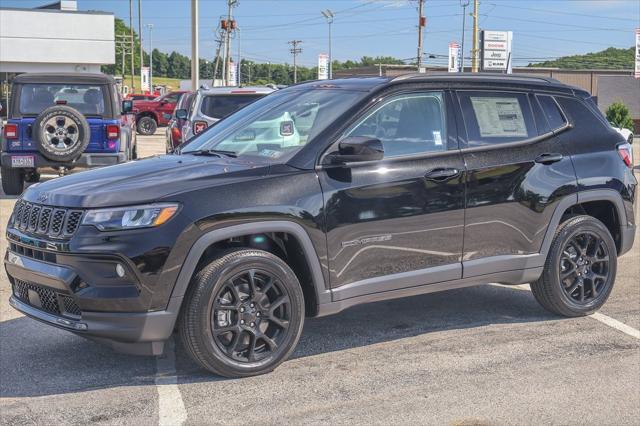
<point x="220" y="106"/>
<point x="497" y="117"/>
<point x="88" y="99"/>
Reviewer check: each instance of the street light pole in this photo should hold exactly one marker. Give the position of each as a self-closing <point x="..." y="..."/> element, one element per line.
<point x="195" y="68"/>
<point x="150" y="26"/>
<point x="328" y="14"/>
<point x="464" y="4"/>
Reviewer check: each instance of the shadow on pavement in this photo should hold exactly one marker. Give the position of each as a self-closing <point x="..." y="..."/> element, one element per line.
<point x="37" y="360"/>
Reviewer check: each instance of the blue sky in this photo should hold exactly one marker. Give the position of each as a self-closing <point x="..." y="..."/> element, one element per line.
<point x="542" y="28"/>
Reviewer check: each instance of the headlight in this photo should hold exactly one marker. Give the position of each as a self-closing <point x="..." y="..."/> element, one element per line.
<point x="130" y="217"/>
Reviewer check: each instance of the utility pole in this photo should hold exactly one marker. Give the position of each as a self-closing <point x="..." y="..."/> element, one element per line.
<point x="228" y="26"/>
<point x="328" y="14"/>
<point x="215" y="66"/>
<point x="464" y="4"/>
<point x="239" y="71"/>
<point x="421" y="24"/>
<point x="133" y="83"/>
<point x="140" y="39"/>
<point x="295" y="50"/>
<point x="123" y="43"/>
<point x="195" y="65"/>
<point x="269" y="71"/>
<point x="150" y="26"/>
<point x="474" y="51"/>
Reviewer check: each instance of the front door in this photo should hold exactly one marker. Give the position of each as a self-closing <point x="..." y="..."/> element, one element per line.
<point x="397" y="222"/>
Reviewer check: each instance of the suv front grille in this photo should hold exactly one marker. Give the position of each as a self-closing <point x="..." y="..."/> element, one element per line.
<point x="45" y="299"/>
<point x="45" y="220"/>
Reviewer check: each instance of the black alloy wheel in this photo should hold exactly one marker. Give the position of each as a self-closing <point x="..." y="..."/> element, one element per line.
<point x="584" y="267"/>
<point x="250" y="316"/>
<point x="243" y="313"/>
<point x="580" y="268"/>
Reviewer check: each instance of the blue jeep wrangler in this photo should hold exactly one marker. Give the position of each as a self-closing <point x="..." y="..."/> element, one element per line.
<point x="63" y="121"/>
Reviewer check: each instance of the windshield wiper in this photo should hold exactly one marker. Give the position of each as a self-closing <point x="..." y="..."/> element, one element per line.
<point x="213" y="152"/>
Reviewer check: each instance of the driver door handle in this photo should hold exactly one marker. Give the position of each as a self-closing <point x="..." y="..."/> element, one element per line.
<point x="442" y="174"/>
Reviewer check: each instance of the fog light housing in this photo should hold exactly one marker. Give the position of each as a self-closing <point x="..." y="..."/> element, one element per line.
<point x="120" y="270"/>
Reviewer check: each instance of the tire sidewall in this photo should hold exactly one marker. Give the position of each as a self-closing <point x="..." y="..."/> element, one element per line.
<point x="234" y="266"/>
<point x="581" y="225"/>
<point x="84" y="133"/>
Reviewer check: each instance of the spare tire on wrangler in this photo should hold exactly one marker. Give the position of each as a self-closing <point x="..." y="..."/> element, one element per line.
<point x="61" y="132"/>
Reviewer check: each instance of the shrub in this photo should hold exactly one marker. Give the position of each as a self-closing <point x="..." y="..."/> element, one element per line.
<point x="618" y="115"/>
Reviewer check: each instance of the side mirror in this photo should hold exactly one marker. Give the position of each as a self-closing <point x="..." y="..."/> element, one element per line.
<point x="166" y="116"/>
<point x="356" y="149"/>
<point x="127" y="106"/>
<point x="181" y="114"/>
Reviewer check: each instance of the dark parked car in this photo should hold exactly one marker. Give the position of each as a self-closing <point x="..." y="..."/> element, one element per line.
<point x="323" y="196"/>
<point x="64" y="121"/>
<point x="173" y="133"/>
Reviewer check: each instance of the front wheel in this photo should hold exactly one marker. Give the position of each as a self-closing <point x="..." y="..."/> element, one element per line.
<point x="580" y="269"/>
<point x="12" y="181"/>
<point x="146" y="126"/>
<point x="243" y="314"/>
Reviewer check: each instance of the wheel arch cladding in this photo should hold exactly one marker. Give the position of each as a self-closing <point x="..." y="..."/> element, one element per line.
<point x="287" y="240"/>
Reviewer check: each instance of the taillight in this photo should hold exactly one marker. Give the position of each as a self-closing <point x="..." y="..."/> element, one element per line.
<point x="625" y="151"/>
<point x="113" y="131"/>
<point x="199" y="126"/>
<point x="11" y="131"/>
<point x="175" y="133"/>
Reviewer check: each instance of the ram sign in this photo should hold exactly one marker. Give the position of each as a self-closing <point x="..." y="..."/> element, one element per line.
<point x="496" y="51"/>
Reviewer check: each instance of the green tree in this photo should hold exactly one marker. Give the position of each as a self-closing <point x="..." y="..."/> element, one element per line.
<point x="609" y="59"/>
<point x="618" y="115"/>
<point x="160" y="63"/>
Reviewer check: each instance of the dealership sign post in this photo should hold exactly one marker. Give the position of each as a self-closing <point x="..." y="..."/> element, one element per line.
<point x="496" y="51"/>
<point x="637" y="73"/>
<point x="454" y="57"/>
<point x="323" y="66"/>
<point x="144" y="80"/>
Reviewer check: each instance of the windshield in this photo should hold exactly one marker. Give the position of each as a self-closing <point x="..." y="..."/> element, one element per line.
<point x="220" y="106"/>
<point x="88" y="99"/>
<point x="276" y="126"/>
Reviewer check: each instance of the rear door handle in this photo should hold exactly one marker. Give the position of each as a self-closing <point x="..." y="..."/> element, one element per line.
<point x="442" y="174"/>
<point x="549" y="158"/>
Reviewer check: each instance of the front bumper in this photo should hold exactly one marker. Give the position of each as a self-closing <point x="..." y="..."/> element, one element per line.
<point x="46" y="289"/>
<point x="86" y="160"/>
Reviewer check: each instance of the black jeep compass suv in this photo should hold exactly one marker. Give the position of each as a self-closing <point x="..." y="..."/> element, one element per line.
<point x="326" y="195"/>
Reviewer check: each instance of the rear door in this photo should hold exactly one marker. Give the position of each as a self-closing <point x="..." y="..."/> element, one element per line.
<point x="517" y="171"/>
<point x="397" y="222"/>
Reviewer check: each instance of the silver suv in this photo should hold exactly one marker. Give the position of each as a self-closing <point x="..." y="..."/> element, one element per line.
<point x="212" y="105"/>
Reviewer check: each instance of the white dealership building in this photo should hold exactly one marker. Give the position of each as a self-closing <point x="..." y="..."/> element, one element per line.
<point x="55" y="38"/>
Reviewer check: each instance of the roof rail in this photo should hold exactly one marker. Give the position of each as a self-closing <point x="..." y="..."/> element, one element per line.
<point x="474" y="76"/>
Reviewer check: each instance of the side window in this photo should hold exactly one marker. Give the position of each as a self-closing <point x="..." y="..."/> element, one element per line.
<point x="552" y="112"/>
<point x="172" y="98"/>
<point x="496" y="117"/>
<point x="407" y="124"/>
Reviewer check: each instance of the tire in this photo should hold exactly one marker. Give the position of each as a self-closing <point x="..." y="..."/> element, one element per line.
<point x="211" y="307"/>
<point x="146" y="125"/>
<point x="554" y="292"/>
<point x="62" y="133"/>
<point x="12" y="181"/>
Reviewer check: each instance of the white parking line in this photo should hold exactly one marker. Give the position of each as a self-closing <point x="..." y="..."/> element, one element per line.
<point x="606" y="320"/>
<point x="171" y="411"/>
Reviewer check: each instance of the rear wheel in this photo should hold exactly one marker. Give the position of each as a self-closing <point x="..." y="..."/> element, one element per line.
<point x="12" y="181"/>
<point x="243" y="314"/>
<point x="580" y="269"/>
<point x="146" y="125"/>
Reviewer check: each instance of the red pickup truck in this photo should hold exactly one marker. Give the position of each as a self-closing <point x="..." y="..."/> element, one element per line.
<point x="151" y="114"/>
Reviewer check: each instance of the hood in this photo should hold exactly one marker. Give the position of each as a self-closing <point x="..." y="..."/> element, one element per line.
<point x="144" y="181"/>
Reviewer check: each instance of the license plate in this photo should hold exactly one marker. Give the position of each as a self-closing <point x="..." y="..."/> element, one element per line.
<point x="22" y="161"/>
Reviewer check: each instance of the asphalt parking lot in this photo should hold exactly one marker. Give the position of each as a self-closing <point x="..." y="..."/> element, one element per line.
<point x="486" y="355"/>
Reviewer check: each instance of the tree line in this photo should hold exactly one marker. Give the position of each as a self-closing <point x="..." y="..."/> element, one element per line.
<point x="177" y="65"/>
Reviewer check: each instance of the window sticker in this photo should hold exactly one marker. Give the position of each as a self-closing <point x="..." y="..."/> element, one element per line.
<point x="286" y="128"/>
<point x="437" y="138"/>
<point x="499" y="117"/>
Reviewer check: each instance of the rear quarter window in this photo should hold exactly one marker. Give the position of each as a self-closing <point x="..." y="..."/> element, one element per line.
<point x="554" y="116"/>
<point x="586" y="123"/>
<point x="496" y="117"/>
